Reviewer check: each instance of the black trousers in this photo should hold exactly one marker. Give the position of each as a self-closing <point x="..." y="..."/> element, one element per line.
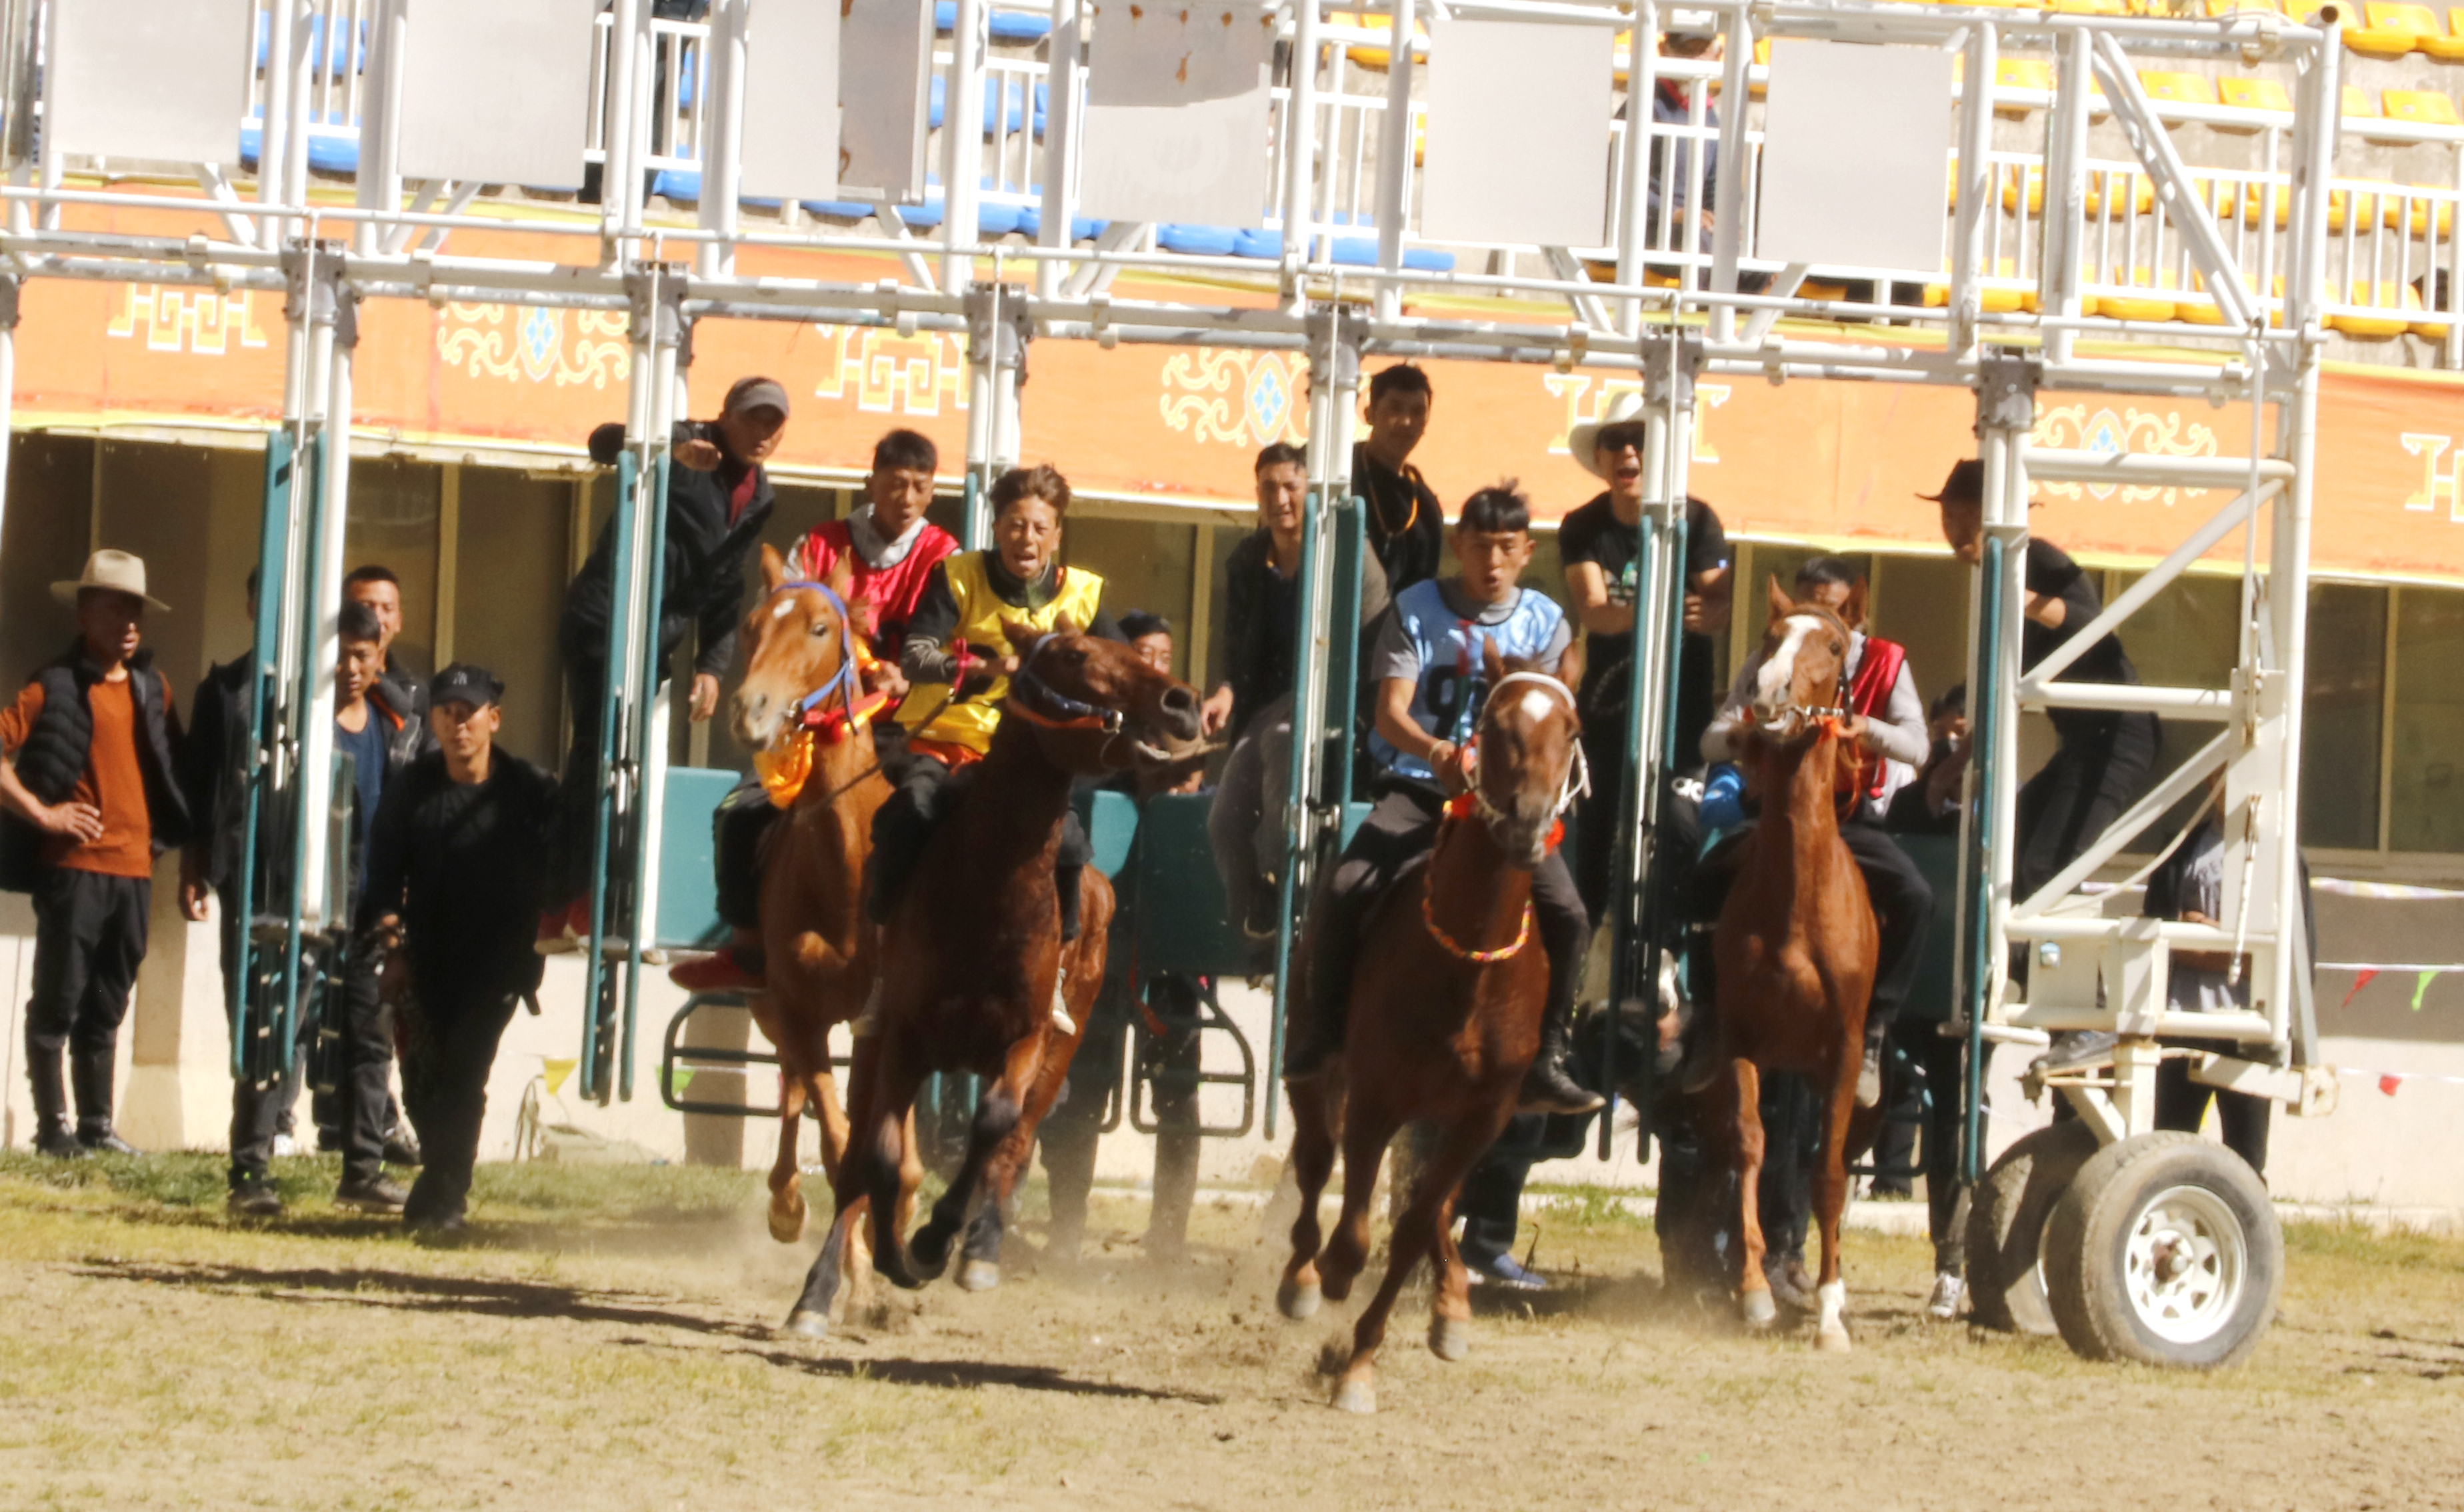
<point x="89" y="940"/>
<point x="1901" y="898"/>
<point x="923" y="797"/>
<point x="1490" y="1203"/>
<point x="1402" y="825"/>
<point x="2100" y="770"/>
<point x="362" y="1028"/>
<point x="257" y="1112"/>
<point x="739" y="828"/>
<point x="450" y="1038"/>
<point x="2182" y="1105"/>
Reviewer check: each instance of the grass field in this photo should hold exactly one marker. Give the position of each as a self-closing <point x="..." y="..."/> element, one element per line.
<point x="602" y="1342"/>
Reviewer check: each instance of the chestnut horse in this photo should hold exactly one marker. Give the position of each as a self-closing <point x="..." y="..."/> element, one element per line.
<point x="973" y="950"/>
<point x="801" y="705"/>
<point x="1446" y="1001"/>
<point x="1796" y="941"/>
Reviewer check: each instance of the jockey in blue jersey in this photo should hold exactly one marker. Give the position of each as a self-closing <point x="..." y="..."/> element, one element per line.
<point x="1427" y="666"/>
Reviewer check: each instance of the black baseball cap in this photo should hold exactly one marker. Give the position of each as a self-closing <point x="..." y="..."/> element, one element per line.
<point x="754" y="393"/>
<point x="466" y="683"/>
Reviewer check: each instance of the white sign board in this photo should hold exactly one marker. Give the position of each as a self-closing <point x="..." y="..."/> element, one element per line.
<point x="791" y="112"/>
<point x="148" y="78"/>
<point x="1178" y="111"/>
<point x="1518" y="133"/>
<point x="496" y="92"/>
<point x="884" y="72"/>
<point x="1856" y="156"/>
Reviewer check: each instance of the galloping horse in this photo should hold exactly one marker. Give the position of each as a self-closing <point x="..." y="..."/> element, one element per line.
<point x="803" y="708"/>
<point x="973" y="952"/>
<point x="1446" y="1003"/>
<point x="1797" y="942"/>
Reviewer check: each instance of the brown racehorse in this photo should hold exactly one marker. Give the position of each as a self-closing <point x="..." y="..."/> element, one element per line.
<point x="973" y="950"/>
<point x="801" y="694"/>
<point x="1446" y="1002"/>
<point x="1796" y="941"/>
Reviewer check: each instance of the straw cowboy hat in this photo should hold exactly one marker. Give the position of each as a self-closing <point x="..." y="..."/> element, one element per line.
<point x="1584" y="439"/>
<point x="113" y="572"/>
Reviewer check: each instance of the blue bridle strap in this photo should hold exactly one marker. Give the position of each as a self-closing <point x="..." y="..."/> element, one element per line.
<point x="1062" y="705"/>
<point x="842" y="681"/>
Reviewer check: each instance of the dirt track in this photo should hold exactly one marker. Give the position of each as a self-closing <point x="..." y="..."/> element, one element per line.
<point x="612" y="1351"/>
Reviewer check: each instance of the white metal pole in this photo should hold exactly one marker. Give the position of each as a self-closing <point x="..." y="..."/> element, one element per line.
<point x="1394" y="155"/>
<point x="1059" y="190"/>
<point x="723" y="143"/>
<point x="323" y="592"/>
<point x="1975" y="211"/>
<point x="1729" y="195"/>
<point x="1641" y="91"/>
<point x="2065" y="213"/>
<point x="1300" y="134"/>
<point x="379" y="182"/>
<point x="305" y="46"/>
<point x="273" y="127"/>
<point x="962" y="142"/>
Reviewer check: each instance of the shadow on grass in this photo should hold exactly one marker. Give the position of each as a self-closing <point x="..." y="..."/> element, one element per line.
<point x="957" y="1374"/>
<point x="404" y="1291"/>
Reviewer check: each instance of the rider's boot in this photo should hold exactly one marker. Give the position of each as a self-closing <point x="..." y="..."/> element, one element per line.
<point x="1546" y="1087"/>
<point x="1061" y="1018"/>
<point x="1869" y="1076"/>
<point x="736" y="967"/>
<point x="1701" y="1066"/>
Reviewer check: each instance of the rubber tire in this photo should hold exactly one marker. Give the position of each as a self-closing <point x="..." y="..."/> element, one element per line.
<point x="2007" y="1216"/>
<point x="2091" y="1224"/>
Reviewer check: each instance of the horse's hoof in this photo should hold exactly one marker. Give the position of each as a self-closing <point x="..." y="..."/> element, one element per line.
<point x="978" y="1275"/>
<point x="929" y="1253"/>
<point x="1353" y="1396"/>
<point x="787" y="1227"/>
<point x="807" y="1324"/>
<point x="1449" y="1338"/>
<point x="1298" y="1302"/>
<point x="1338" y="1288"/>
<point x="1832" y="1341"/>
<point x="1757" y="1309"/>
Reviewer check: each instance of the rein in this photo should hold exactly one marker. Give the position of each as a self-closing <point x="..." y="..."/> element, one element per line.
<point x="1473" y="802"/>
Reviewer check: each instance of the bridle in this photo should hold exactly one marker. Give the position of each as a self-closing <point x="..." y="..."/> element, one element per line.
<point x="1069" y="713"/>
<point x="841" y="684"/>
<point x="1819" y="716"/>
<point x="1474" y="801"/>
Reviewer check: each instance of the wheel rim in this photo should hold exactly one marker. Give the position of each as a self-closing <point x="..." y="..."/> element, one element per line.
<point x="2185" y="1265"/>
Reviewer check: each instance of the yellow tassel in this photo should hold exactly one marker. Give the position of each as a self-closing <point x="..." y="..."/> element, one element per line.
<point x="782" y="773"/>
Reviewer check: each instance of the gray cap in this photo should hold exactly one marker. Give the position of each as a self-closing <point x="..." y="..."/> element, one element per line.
<point x="753" y="393"/>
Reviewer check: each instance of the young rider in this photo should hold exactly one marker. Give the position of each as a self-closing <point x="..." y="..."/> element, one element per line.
<point x="958" y="629"/>
<point x="1428" y="668"/>
<point x="1886" y="722"/>
<point x="892" y="549"/>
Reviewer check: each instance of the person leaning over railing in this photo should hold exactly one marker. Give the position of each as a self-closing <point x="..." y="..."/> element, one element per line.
<point x="1252" y="701"/>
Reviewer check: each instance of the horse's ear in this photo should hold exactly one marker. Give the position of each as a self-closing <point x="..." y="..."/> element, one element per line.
<point x="1570" y="666"/>
<point x="1021" y="636"/>
<point x="1853" y="612"/>
<point x="841" y="580"/>
<point x="1491" y="663"/>
<point x="774" y="568"/>
<point x="1781" y="605"/>
<point x="1062" y="624"/>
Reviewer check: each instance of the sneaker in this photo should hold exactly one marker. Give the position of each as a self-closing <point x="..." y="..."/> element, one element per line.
<point x="437" y="1226"/>
<point x="402" y="1149"/>
<point x="284" y="1146"/>
<point x="725" y="970"/>
<point x="254" y="1199"/>
<point x="375" y="1195"/>
<point x="1790" y="1285"/>
<point x="1502" y="1270"/>
<point x="105" y="1140"/>
<point x="1950" y="1290"/>
<point x="1061" y="1018"/>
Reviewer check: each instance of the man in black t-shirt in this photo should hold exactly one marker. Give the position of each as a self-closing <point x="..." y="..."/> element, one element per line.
<point x="1598" y="545"/>
<point x="458" y="862"/>
<point x="1407" y="531"/>
<point x="2106" y="758"/>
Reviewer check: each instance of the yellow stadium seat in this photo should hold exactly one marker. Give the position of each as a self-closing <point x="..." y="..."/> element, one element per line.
<point x="1758" y="88"/>
<point x="2107" y="199"/>
<point x="2414" y="215"/>
<point x="2360" y="104"/>
<point x="2391" y="30"/>
<point x="2089" y="6"/>
<point x="2020" y="72"/>
<point x="2450" y="43"/>
<point x="2182" y="89"/>
<point x="1996" y="301"/>
<point x="2231" y="7"/>
<point x="2390" y="306"/>
<point x="2034" y="177"/>
<point x="2197" y="308"/>
<point x="2425" y="107"/>
<point x="2252" y="94"/>
<point x="2151" y="305"/>
<point x="1374" y="54"/>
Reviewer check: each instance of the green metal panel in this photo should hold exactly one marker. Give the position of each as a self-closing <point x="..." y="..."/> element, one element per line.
<point x="688" y="882"/>
<point x="1183" y="919"/>
<point x="1111" y="821"/>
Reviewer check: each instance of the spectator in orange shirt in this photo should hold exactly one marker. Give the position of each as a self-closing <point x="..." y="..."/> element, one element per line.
<point x="90" y="796"/>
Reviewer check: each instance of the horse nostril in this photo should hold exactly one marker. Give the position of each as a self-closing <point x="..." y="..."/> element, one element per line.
<point x="1181" y="706"/>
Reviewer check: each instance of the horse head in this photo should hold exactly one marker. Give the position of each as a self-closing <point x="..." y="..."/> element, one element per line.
<point x="1530" y="767"/>
<point x="799" y="652"/>
<point x="1805" y="663"/>
<point x="1095" y="704"/>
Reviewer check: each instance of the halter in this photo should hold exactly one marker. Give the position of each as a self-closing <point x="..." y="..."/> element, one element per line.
<point x="1473" y="802"/>
<point x="1832" y="716"/>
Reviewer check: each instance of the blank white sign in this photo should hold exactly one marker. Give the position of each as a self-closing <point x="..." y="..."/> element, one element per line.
<point x="1518" y="133"/>
<point x="496" y="91"/>
<point x="791" y="112"/>
<point x="1856" y="151"/>
<point x="1177" y="113"/>
<point x="149" y="79"/>
<point x="885" y="71"/>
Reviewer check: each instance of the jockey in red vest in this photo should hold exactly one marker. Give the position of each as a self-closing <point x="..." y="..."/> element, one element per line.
<point x="894" y="549"/>
<point x="1886" y="721"/>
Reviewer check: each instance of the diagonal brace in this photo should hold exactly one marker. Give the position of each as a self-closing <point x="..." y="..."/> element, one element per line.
<point x="2178" y="785"/>
<point x="2136" y="117"/>
<point x="2151" y="582"/>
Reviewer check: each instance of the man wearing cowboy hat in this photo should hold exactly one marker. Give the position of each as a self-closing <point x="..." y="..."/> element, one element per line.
<point x="1600" y="545"/>
<point x="89" y="798"/>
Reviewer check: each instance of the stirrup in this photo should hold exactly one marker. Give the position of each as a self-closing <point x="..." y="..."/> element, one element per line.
<point x="1061" y="1018"/>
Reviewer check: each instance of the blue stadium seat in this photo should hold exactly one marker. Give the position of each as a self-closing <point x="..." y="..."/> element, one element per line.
<point x="323" y="62"/>
<point x="327" y="152"/>
<point x="1008" y="26"/>
<point x="937" y="105"/>
<point x="1351" y="251"/>
<point x="683" y="186"/>
<point x="1198" y="241"/>
<point x="1030" y="225"/>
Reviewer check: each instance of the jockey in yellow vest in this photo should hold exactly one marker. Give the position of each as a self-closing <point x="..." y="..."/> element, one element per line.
<point x="956" y="630"/>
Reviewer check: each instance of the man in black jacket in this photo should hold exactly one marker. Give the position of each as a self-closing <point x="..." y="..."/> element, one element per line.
<point x="455" y="870"/>
<point x="718" y="500"/>
<point x="90" y="798"/>
<point x="1407" y="531"/>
